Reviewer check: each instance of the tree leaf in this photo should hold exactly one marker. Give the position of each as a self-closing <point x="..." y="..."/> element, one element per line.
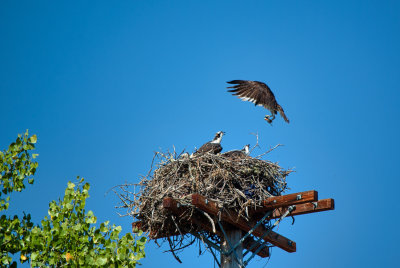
<point x="101" y="260"/>
<point x="33" y="139"/>
<point x="34" y="256"/>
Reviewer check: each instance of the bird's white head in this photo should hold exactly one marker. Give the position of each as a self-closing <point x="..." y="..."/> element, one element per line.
<point x="218" y="137"/>
<point x="246" y="149"/>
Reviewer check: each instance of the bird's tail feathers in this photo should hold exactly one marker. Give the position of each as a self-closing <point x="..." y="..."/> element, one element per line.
<point x="282" y="113"/>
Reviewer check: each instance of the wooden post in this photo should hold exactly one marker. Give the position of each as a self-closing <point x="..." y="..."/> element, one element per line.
<point x="234" y="235"/>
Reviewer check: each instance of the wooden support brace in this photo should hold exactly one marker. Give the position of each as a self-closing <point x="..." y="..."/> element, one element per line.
<point x="231" y="217"/>
<point x="321" y="205"/>
<point x="288" y="200"/>
<point x="172" y="205"/>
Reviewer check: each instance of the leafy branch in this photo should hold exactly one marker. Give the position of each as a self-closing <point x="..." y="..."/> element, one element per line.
<point x="67" y="236"/>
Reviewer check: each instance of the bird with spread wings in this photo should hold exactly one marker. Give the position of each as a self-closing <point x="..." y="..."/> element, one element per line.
<point x="259" y="94"/>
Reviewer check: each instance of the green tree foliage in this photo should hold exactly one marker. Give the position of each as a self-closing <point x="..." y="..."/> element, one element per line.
<point x="16" y="168"/>
<point x="67" y="236"/>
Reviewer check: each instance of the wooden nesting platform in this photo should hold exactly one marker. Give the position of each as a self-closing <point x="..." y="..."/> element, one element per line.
<point x="300" y="203"/>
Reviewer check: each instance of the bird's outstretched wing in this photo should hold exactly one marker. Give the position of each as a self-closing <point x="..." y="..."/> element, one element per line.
<point x="256" y="92"/>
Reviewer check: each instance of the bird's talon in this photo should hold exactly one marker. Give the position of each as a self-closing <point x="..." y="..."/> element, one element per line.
<point x="268" y="119"/>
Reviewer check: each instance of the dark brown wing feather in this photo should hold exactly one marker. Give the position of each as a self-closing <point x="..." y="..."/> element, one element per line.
<point x="235" y="155"/>
<point x="209" y="147"/>
<point x="257" y="92"/>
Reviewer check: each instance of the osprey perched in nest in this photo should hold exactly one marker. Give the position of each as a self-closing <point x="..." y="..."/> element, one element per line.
<point x="260" y="94"/>
<point x="238" y="154"/>
<point x="213" y="146"/>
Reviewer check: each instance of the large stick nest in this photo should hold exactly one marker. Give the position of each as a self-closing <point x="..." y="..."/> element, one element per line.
<point x="234" y="183"/>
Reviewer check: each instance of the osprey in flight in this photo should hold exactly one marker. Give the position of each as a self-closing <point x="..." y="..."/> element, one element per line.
<point x="213" y="146"/>
<point x="259" y="94"/>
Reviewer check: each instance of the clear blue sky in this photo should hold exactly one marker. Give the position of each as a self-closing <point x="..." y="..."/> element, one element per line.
<point x="105" y="84"/>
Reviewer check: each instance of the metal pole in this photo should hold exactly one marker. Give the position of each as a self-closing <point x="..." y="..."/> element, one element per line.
<point x="235" y="258"/>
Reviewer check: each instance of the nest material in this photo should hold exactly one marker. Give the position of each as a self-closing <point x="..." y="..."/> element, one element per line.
<point x="234" y="183"/>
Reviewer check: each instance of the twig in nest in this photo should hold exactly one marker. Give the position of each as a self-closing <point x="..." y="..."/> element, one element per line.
<point x="172" y="250"/>
<point x="270" y="150"/>
<point x="152" y="164"/>
<point x="177" y="227"/>
<point x="256" y="145"/>
<point x="184" y="246"/>
<point x="240" y="193"/>
<point x="209" y="218"/>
